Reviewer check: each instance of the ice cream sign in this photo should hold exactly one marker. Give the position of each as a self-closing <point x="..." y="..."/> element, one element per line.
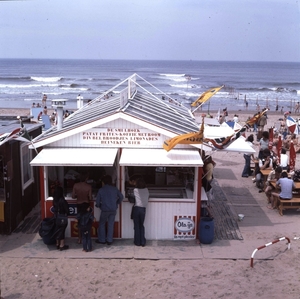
<point x="184" y="227"/>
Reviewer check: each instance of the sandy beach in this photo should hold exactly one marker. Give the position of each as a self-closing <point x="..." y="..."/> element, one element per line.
<point x="223" y="272"/>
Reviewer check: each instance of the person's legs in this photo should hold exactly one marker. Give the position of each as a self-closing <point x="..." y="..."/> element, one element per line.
<point x="101" y="228"/>
<point x="79" y="210"/>
<point x="60" y="237"/>
<point x="136" y="223"/>
<point x="274" y="200"/>
<point x="258" y="180"/>
<point x="84" y="240"/>
<point x="110" y="226"/>
<point x="139" y="229"/>
<point x="268" y="192"/>
<point x="89" y="240"/>
<point x="246" y="170"/>
<point x="142" y="228"/>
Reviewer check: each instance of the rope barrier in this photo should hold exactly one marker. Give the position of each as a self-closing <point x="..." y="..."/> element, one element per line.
<point x="268" y="244"/>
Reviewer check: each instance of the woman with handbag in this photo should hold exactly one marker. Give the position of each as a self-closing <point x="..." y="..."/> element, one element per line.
<point x="141" y="194"/>
<point x="61" y="211"/>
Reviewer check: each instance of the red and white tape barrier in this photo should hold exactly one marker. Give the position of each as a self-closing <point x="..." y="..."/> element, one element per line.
<point x="268" y="244"/>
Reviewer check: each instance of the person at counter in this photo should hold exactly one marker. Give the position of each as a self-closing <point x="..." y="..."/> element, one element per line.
<point x="61" y="207"/>
<point x="141" y="194"/>
<point x="82" y="192"/>
<point x="85" y="220"/>
<point x="108" y="199"/>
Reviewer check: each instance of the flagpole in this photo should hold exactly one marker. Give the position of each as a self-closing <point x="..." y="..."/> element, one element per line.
<point x="197" y="108"/>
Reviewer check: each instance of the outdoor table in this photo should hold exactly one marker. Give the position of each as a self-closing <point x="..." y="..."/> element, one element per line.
<point x="297" y="185"/>
<point x="265" y="173"/>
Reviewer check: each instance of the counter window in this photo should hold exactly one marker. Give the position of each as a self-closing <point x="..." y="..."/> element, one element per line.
<point x="163" y="182"/>
<point x="69" y="175"/>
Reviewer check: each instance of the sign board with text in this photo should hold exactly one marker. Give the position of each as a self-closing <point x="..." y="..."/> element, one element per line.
<point x="121" y="137"/>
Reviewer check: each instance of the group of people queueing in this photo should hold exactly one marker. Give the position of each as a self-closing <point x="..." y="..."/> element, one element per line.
<point x="107" y="200"/>
<point x="277" y="163"/>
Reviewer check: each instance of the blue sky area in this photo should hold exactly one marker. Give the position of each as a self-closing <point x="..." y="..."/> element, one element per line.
<point x="244" y="30"/>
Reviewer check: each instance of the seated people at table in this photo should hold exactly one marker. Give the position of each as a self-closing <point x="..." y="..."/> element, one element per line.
<point x="284" y="160"/>
<point x="275" y="159"/>
<point x="263" y="143"/>
<point x="286" y="185"/>
<point x="264" y="163"/>
<point x="274" y="175"/>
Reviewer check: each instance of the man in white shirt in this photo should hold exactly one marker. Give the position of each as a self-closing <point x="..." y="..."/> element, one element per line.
<point x="284" y="159"/>
<point x="236" y="118"/>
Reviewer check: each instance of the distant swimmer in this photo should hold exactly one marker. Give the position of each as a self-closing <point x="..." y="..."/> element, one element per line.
<point x="297" y="107"/>
<point x="44" y="100"/>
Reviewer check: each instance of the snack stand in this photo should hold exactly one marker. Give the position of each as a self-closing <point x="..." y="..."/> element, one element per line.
<point x="123" y="136"/>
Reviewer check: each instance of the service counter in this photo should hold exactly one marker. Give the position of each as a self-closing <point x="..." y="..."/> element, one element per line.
<point x="172" y="211"/>
<point x="166" y="211"/>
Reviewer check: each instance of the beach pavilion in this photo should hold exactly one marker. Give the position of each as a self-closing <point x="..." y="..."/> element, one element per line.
<point x="121" y="133"/>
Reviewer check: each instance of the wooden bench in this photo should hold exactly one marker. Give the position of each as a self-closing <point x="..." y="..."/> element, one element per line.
<point x="283" y="204"/>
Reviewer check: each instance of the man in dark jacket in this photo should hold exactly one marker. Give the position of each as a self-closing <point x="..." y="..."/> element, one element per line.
<point x="108" y="199"/>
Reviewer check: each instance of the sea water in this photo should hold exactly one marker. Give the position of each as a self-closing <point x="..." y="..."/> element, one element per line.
<point x="24" y="81"/>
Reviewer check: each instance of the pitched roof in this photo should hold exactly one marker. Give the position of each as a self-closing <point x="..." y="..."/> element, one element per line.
<point x="137" y="105"/>
<point x="10" y="123"/>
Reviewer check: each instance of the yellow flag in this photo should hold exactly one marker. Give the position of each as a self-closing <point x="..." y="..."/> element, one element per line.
<point x="206" y="96"/>
<point x="188" y="138"/>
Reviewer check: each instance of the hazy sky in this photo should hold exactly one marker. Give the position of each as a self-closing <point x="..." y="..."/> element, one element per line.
<point x="151" y="29"/>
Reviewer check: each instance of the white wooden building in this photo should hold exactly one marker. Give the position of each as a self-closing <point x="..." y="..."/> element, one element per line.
<point x="121" y="133"/>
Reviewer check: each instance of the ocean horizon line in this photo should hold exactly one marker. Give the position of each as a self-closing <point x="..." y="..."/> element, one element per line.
<point x="168" y="60"/>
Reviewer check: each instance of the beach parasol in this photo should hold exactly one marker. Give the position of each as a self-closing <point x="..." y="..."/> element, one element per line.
<point x="292" y="125"/>
<point x="279" y="147"/>
<point x="292" y="156"/>
<point x="230" y="124"/>
<point x="234" y="125"/>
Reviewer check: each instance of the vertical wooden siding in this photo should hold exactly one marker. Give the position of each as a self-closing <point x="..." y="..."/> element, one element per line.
<point x="159" y="222"/>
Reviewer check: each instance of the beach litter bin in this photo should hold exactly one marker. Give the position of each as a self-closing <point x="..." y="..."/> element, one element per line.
<point x="206" y="230"/>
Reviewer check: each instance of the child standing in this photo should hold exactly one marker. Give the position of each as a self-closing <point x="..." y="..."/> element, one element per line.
<point x="85" y="219"/>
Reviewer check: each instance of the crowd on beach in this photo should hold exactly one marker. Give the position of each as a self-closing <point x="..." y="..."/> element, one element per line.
<point x="43" y="110"/>
<point x="274" y="144"/>
<point x="277" y="145"/>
